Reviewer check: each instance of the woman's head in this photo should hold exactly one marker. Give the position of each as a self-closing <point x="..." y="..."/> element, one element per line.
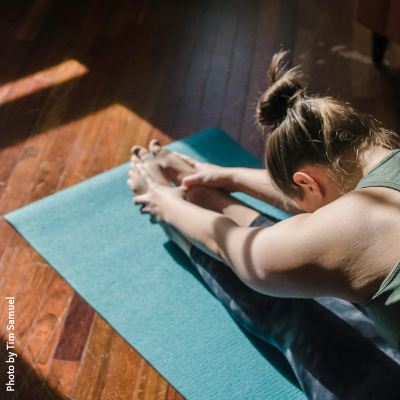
<point x="309" y="131"/>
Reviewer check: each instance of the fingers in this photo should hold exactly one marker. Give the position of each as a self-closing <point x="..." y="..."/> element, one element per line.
<point x="146" y="207"/>
<point x="195" y="179"/>
<point x="140" y="199"/>
<point x="189" y="160"/>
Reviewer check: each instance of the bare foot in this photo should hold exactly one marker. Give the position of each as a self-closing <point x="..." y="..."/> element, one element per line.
<point x="174" y="167"/>
<point x="206" y="197"/>
<point x="141" y="156"/>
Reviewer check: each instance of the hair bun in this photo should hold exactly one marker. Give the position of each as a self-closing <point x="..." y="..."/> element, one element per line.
<point x="282" y="94"/>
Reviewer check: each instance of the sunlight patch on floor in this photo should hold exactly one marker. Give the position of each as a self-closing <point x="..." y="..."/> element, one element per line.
<point x="60" y="73"/>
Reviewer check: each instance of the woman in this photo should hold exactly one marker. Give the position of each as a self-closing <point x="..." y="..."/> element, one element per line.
<point x="339" y="171"/>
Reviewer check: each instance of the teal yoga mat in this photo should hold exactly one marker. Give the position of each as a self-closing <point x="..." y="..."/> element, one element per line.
<point x="144" y="286"/>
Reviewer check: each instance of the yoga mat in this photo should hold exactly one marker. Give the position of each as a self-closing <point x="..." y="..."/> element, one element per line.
<point x="146" y="288"/>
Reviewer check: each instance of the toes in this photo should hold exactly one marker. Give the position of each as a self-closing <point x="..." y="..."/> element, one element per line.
<point x="154" y="146"/>
<point x="130" y="183"/>
<point x="135" y="160"/>
<point x="142" y="153"/>
<point x="136" y="183"/>
<point x="133" y="174"/>
<point x="149" y="163"/>
<point x="157" y="149"/>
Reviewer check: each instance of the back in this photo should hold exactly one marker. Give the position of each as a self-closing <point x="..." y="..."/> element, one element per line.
<point x="384" y="307"/>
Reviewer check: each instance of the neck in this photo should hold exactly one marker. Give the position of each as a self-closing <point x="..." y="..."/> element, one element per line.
<point x="366" y="161"/>
<point x="372" y="156"/>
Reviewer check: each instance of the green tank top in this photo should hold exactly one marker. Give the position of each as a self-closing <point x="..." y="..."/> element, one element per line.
<point x="384" y="307"/>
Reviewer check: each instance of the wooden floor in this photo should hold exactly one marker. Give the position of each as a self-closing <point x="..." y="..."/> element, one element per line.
<point x="81" y="81"/>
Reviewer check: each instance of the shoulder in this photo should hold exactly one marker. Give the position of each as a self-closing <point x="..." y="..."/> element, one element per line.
<point x="340" y="230"/>
<point x="309" y="255"/>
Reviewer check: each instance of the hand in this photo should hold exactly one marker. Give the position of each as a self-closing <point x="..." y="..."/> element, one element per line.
<point x="207" y="174"/>
<point x="158" y="198"/>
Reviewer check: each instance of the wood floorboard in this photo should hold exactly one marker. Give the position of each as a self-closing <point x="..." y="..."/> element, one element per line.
<point x="239" y="73"/>
<point x="169" y="99"/>
<point x="149" y="384"/>
<point x="123" y="372"/>
<point x="81" y="82"/>
<point x="95" y="362"/>
<point x="218" y="71"/>
<point x="75" y="331"/>
<point x="264" y="48"/>
<point x="186" y="121"/>
<point x="40" y="346"/>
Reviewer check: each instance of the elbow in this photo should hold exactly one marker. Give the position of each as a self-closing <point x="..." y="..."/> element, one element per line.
<point x="257" y="284"/>
<point x="220" y="254"/>
<point x="249" y="277"/>
<point x="260" y="280"/>
<point x="254" y="283"/>
<point x="213" y="246"/>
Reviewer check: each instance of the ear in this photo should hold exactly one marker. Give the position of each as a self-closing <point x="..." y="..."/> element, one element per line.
<point x="308" y="184"/>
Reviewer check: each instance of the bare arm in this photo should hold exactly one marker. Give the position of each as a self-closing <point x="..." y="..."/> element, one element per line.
<point x="257" y="183"/>
<point x="254" y="182"/>
<point x="276" y="260"/>
<point x="308" y="255"/>
<point x="266" y="259"/>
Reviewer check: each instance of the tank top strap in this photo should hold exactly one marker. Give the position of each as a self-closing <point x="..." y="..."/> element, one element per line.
<point x="384" y="174"/>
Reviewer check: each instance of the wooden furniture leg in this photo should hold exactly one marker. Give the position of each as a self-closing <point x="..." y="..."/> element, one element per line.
<point x="379" y="44"/>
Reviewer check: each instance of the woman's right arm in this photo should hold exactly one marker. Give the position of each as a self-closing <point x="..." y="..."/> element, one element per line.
<point x="254" y="182"/>
<point x="257" y="183"/>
